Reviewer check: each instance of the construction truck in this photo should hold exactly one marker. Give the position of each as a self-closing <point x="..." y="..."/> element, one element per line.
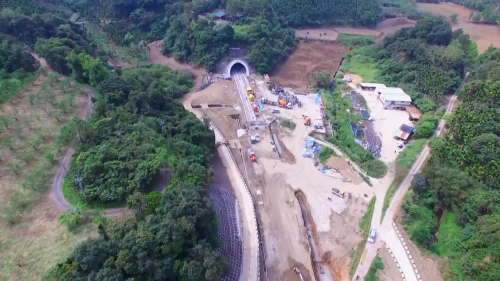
<point x="249" y="90"/>
<point x="340" y="194"/>
<point x="307" y="120"/>
<point x="251" y="97"/>
<point x="251" y="155"/>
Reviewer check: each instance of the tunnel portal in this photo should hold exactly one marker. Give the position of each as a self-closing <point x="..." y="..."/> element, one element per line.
<point x="237" y="66"/>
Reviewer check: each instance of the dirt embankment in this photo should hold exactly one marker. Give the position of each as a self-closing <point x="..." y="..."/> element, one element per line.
<point x="156" y="57"/>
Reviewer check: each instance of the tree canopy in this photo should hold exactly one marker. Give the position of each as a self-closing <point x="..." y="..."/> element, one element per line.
<point x="462" y="180"/>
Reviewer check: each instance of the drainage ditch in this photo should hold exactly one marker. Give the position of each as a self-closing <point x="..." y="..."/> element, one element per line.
<point x="322" y="273"/>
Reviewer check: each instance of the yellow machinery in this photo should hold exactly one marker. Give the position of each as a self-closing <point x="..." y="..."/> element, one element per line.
<point x="249" y="90"/>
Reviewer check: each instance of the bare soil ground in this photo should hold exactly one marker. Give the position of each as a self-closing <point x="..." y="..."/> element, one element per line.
<point x="327" y="34"/>
<point x="384" y="28"/>
<point x="36" y="240"/>
<point x="343" y="236"/>
<point x="391" y="271"/>
<point x="445" y="9"/>
<point x="484" y="35"/>
<point x="156" y="57"/>
<point x="219" y="92"/>
<point x="309" y="57"/>
<point x="340" y="164"/>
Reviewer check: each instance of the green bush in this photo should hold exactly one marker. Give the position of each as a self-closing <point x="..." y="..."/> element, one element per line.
<point x="342" y="137"/>
<point x="325" y="153"/>
<point x="424" y="130"/>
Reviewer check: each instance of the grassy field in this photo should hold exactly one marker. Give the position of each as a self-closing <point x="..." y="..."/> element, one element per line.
<point x="364" y="225"/>
<point x="404" y="161"/>
<point x="31" y="237"/>
<point x="360" y="60"/>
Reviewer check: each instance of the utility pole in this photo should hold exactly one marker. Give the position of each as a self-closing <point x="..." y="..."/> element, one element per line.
<point x="79" y="180"/>
<point x="61" y="162"/>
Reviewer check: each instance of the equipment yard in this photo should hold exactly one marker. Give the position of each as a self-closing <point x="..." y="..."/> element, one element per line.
<point x="307" y="58"/>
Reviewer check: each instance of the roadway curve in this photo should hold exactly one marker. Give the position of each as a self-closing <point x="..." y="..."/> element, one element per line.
<point x="55" y="192"/>
<point x="386" y="232"/>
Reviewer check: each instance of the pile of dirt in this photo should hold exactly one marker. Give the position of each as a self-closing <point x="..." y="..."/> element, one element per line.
<point x="347" y="172"/>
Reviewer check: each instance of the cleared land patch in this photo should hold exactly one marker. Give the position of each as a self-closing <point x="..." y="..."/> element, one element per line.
<point x="309" y="57"/>
<point x="31" y="237"/>
<point x="444" y="9"/>
<point x="483" y="34"/>
<point x="328" y="34"/>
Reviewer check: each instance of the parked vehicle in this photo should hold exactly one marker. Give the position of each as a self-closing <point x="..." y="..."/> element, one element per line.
<point x="372" y="236"/>
<point x="338" y="192"/>
<point x="275" y="111"/>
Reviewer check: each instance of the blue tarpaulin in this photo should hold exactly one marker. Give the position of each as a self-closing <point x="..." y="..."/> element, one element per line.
<point x="260" y="105"/>
<point x="318" y="97"/>
<point x="307" y="153"/>
<point x="323" y="171"/>
<point x="318" y="149"/>
<point x="310" y="143"/>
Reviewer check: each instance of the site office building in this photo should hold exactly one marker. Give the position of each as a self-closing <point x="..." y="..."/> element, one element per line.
<point x="391" y="96"/>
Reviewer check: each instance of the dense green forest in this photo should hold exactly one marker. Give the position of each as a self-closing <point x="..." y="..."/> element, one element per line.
<point x="454" y="206"/>
<point x="298" y="13"/>
<point x="137" y="132"/>
<point x="205" y="42"/>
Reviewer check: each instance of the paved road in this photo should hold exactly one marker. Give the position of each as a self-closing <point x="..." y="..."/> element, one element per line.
<point x="386" y="232"/>
<point x="55" y="192"/>
<point x="242" y="83"/>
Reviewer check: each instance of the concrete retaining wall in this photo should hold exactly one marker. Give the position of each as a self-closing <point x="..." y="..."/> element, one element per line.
<point x="247" y="194"/>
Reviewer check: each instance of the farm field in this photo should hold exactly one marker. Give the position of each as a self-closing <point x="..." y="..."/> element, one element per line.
<point x="32" y="239"/>
<point x="444" y="9"/>
<point x="307" y="58"/>
<point x="484" y="35"/>
<point x="383" y="29"/>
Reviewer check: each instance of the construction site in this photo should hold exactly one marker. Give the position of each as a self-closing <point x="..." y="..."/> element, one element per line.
<point x="307" y="212"/>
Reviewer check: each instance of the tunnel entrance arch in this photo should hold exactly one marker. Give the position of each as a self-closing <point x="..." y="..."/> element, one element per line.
<point x="236" y="66"/>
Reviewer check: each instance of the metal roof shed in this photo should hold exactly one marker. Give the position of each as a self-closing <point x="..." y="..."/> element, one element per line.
<point x="372" y="85"/>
